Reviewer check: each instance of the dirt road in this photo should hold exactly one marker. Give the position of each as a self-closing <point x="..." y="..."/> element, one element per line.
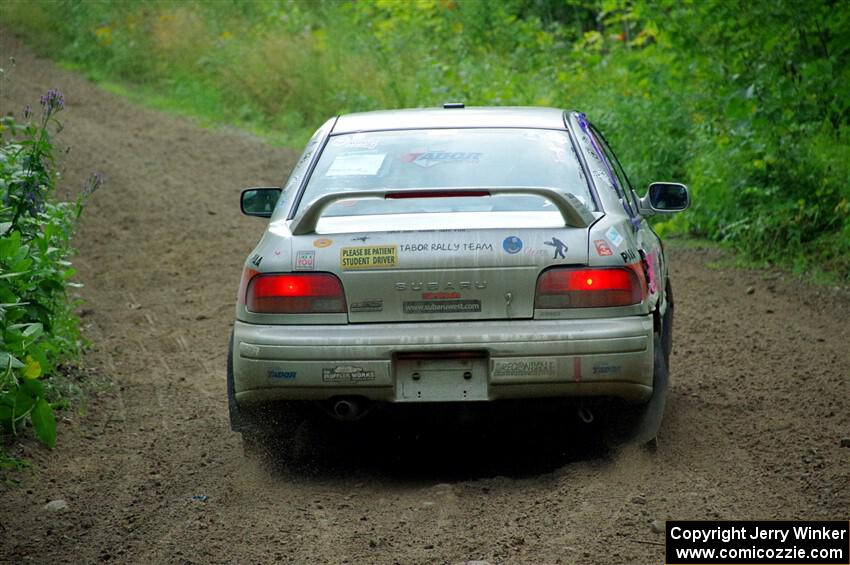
<point x="759" y="403"/>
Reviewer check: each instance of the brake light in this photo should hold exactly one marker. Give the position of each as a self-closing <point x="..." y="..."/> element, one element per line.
<point x="436" y="194"/>
<point x="315" y="293"/>
<point x="589" y="288"/>
<point x="247" y="275"/>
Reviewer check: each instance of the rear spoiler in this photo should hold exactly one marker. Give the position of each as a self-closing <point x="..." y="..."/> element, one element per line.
<point x="573" y="211"/>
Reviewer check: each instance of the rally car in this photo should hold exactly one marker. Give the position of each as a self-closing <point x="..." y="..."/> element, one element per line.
<point x="454" y="255"/>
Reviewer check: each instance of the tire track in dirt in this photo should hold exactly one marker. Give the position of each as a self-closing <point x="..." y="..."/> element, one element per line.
<point x="759" y="401"/>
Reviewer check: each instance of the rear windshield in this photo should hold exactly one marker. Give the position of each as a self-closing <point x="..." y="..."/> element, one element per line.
<point x="445" y="159"/>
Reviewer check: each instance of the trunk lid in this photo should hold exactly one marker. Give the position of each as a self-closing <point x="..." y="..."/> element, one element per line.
<point x="475" y="267"/>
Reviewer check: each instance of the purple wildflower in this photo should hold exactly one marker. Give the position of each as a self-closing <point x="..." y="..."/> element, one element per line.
<point x="94" y="182"/>
<point x="52" y="102"/>
<point x="28" y="112"/>
<point x="33" y="196"/>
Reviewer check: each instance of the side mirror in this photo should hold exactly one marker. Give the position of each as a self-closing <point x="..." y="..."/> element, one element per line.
<point x="259" y="201"/>
<point x="665" y="198"/>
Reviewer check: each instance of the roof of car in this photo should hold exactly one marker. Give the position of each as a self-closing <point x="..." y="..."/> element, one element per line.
<point x="424" y="118"/>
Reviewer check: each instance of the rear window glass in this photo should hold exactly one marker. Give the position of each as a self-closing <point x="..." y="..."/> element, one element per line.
<point x="445" y="159"/>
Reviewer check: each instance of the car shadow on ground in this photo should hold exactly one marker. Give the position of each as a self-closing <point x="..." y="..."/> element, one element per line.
<point x="444" y="444"/>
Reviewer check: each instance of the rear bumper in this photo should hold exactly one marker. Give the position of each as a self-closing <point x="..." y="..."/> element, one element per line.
<point x="509" y="359"/>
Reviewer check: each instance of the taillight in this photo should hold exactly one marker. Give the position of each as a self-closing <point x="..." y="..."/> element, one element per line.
<point x="315" y="293"/>
<point x="589" y="288"/>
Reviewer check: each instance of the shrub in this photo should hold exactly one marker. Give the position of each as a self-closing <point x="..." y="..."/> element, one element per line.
<point x="38" y="327"/>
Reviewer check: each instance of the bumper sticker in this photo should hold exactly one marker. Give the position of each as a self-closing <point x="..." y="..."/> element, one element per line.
<point x="559" y="246"/>
<point x="368" y="257"/>
<point x="347" y="373"/>
<point x="602" y="248"/>
<point x="512" y="244"/>
<point x="523" y="368"/>
<point x="614" y="236"/>
<point x="605" y="369"/>
<point x="305" y="260"/>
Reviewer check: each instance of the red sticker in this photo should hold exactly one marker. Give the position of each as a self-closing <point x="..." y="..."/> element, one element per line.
<point x="602" y="248"/>
<point x="439" y="295"/>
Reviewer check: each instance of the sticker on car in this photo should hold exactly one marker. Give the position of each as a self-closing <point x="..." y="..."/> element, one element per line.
<point x="368" y="257"/>
<point x="356" y="164"/>
<point x="305" y="260"/>
<point x="442" y="306"/>
<point x="614" y="236"/>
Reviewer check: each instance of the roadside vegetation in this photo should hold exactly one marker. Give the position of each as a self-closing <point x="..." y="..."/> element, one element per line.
<point x="38" y="328"/>
<point x="746" y="102"/>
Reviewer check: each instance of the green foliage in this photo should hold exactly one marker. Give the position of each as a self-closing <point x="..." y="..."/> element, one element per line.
<point x="747" y="102"/>
<point x="38" y="327"/>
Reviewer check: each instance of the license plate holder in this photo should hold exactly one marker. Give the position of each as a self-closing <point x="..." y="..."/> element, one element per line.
<point x="441" y="380"/>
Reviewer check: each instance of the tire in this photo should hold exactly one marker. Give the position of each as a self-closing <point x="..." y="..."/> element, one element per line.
<point x="640" y="423"/>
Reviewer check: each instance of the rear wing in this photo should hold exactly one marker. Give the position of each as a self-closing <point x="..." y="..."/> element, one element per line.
<point x="573" y="211"/>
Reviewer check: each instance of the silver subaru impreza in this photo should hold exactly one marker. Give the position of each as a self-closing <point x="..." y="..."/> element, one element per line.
<point x="454" y="255"/>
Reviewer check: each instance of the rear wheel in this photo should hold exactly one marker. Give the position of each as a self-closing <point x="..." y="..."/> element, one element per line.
<point x="640" y="423"/>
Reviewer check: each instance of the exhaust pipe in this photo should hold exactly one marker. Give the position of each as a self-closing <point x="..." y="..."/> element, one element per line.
<point x="347" y="409"/>
<point x="585" y="414"/>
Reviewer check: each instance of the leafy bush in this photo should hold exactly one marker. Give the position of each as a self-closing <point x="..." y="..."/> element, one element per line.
<point x="38" y="327"/>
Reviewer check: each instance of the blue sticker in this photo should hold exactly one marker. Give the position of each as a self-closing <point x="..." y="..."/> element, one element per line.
<point x="282" y="374"/>
<point x="512" y="244"/>
<point x="614" y="236"/>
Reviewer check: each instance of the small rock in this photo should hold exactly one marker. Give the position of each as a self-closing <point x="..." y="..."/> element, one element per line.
<point x="751" y="290"/>
<point x="429" y="546"/>
<point x="845" y="442"/>
<point x="58" y="505"/>
<point x="657" y="526"/>
<point x="639" y="499"/>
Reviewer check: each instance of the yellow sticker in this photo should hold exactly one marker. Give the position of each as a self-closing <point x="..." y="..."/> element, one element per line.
<point x="323" y="242"/>
<point x="368" y="257"/>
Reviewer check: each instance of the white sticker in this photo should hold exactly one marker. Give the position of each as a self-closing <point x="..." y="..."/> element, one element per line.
<point x="357" y="164"/>
<point x="614" y="236"/>
<point x="305" y="260"/>
<point x="357" y="140"/>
